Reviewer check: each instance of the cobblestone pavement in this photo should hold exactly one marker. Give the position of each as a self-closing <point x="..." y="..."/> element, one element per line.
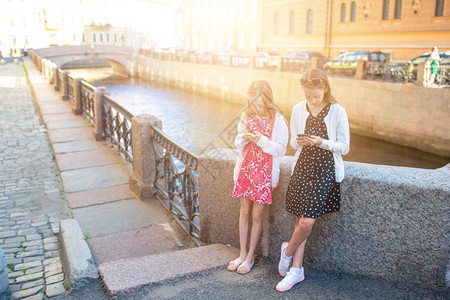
<point x="31" y="194"/>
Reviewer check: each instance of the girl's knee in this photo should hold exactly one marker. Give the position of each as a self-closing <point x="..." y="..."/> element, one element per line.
<point x="307" y="223"/>
<point x="245" y="212"/>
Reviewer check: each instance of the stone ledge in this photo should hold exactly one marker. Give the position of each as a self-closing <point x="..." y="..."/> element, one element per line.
<point x="128" y="275"/>
<point x="79" y="266"/>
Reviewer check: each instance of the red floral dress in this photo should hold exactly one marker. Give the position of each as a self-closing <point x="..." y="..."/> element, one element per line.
<point x="255" y="175"/>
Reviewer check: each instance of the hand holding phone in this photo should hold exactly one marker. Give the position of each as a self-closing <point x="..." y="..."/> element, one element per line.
<point x="303" y="135"/>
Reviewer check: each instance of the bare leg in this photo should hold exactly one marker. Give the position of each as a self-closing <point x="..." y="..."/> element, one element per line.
<point x="301" y="233"/>
<point x="244" y="218"/>
<point x="257" y="217"/>
<point x="297" y="261"/>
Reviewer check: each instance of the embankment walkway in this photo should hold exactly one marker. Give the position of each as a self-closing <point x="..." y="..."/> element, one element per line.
<point x="135" y="243"/>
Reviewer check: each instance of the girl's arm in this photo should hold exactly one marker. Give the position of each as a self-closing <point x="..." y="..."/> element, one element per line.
<point x="242" y="126"/>
<point x="277" y="147"/>
<point x="342" y="144"/>
<point x="295" y="128"/>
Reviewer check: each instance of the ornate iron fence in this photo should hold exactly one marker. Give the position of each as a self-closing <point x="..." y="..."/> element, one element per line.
<point x="176" y="183"/>
<point x="70" y="90"/>
<point x="118" y="128"/>
<point x="87" y="101"/>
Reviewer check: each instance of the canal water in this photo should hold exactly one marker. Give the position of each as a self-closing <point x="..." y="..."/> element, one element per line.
<point x="198" y="122"/>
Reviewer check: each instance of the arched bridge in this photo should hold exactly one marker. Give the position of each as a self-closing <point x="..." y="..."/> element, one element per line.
<point x="121" y="58"/>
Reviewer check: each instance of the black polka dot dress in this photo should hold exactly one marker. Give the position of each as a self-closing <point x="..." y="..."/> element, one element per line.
<point x="313" y="190"/>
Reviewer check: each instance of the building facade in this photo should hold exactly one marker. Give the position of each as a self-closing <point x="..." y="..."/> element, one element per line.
<point x="403" y="28"/>
<point x="221" y="25"/>
<point x="43" y="23"/>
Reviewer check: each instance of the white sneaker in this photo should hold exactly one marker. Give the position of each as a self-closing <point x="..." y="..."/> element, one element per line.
<point x="285" y="262"/>
<point x="290" y="280"/>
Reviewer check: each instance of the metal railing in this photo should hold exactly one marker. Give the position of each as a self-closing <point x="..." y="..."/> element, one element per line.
<point x="87" y="101"/>
<point x="118" y="128"/>
<point x="176" y="183"/>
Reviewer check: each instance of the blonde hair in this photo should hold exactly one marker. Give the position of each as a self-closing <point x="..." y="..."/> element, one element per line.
<point x="257" y="89"/>
<point x="324" y="85"/>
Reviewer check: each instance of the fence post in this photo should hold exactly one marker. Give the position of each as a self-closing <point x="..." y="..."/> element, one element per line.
<point x="421" y="75"/>
<point x="56" y="80"/>
<point x="77" y="104"/>
<point x="279" y="64"/>
<point x="360" y="69"/>
<point x="99" y="119"/>
<point x="142" y="180"/>
<point x="65" y="86"/>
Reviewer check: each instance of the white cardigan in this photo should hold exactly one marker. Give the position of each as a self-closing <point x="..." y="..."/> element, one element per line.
<point x="275" y="146"/>
<point x="338" y="134"/>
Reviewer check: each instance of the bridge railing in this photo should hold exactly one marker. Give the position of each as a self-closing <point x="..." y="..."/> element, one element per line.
<point x="161" y="168"/>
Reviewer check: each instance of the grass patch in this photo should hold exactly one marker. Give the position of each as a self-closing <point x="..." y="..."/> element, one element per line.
<point x="11" y="267"/>
<point x="66" y="285"/>
<point x="86" y="235"/>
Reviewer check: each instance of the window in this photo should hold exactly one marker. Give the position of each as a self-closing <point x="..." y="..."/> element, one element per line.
<point x="101" y="37"/>
<point x="292" y="23"/>
<point x="343" y="9"/>
<point x="93" y="37"/>
<point x="107" y="37"/>
<point x="309" y="21"/>
<point x="439" y="12"/>
<point x="353" y="12"/>
<point x="385" y="15"/>
<point x="398" y="9"/>
<point x="276" y="24"/>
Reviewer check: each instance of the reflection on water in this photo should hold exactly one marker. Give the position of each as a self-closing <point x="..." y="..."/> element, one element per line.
<point x="196" y="122"/>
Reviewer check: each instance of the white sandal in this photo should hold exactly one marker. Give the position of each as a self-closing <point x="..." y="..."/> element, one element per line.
<point x="246" y="266"/>
<point x="234" y="264"/>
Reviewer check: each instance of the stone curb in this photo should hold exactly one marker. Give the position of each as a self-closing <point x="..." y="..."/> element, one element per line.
<point x="78" y="262"/>
<point x="129" y="275"/>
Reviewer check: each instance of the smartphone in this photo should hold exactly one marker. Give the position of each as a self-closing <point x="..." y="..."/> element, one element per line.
<point x="304" y="135"/>
<point x="248" y="134"/>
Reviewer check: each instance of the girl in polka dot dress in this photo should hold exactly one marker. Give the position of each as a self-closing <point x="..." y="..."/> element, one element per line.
<point x="320" y="134"/>
<point x="261" y="140"/>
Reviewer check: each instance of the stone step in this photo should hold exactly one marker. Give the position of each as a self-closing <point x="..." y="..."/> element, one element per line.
<point x="128" y="275"/>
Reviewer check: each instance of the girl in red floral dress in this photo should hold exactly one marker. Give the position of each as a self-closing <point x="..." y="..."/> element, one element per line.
<point x="261" y="140"/>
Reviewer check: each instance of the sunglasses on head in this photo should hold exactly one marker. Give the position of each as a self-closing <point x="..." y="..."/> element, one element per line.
<point x="312" y="81"/>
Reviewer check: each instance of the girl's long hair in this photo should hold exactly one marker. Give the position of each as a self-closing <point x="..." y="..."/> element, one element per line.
<point x="260" y="88"/>
<point x="325" y="84"/>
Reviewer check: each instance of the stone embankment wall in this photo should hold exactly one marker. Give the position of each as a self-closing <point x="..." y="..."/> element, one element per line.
<point x="401" y="113"/>
<point x="393" y="222"/>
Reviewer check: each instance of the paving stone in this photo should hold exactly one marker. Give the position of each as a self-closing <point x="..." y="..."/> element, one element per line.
<point x="28" y="265"/>
<point x="34" y="270"/>
<point x="50" y="247"/>
<point x="15" y="274"/>
<point x="33" y="284"/>
<point x="32" y="243"/>
<point x="38" y="296"/>
<point x="52" y="260"/>
<point x="52" y="239"/>
<point x="30" y="253"/>
<point x="6" y="234"/>
<point x="33" y="258"/>
<point x="29" y="277"/>
<point x="50" y="254"/>
<point x="55" y="289"/>
<point x="33" y="237"/>
<point x="54" y="278"/>
<point x="16" y="240"/>
<point x="25" y="293"/>
<point x="26" y="231"/>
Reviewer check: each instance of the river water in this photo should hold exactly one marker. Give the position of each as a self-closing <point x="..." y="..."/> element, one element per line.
<point x="198" y="122"/>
